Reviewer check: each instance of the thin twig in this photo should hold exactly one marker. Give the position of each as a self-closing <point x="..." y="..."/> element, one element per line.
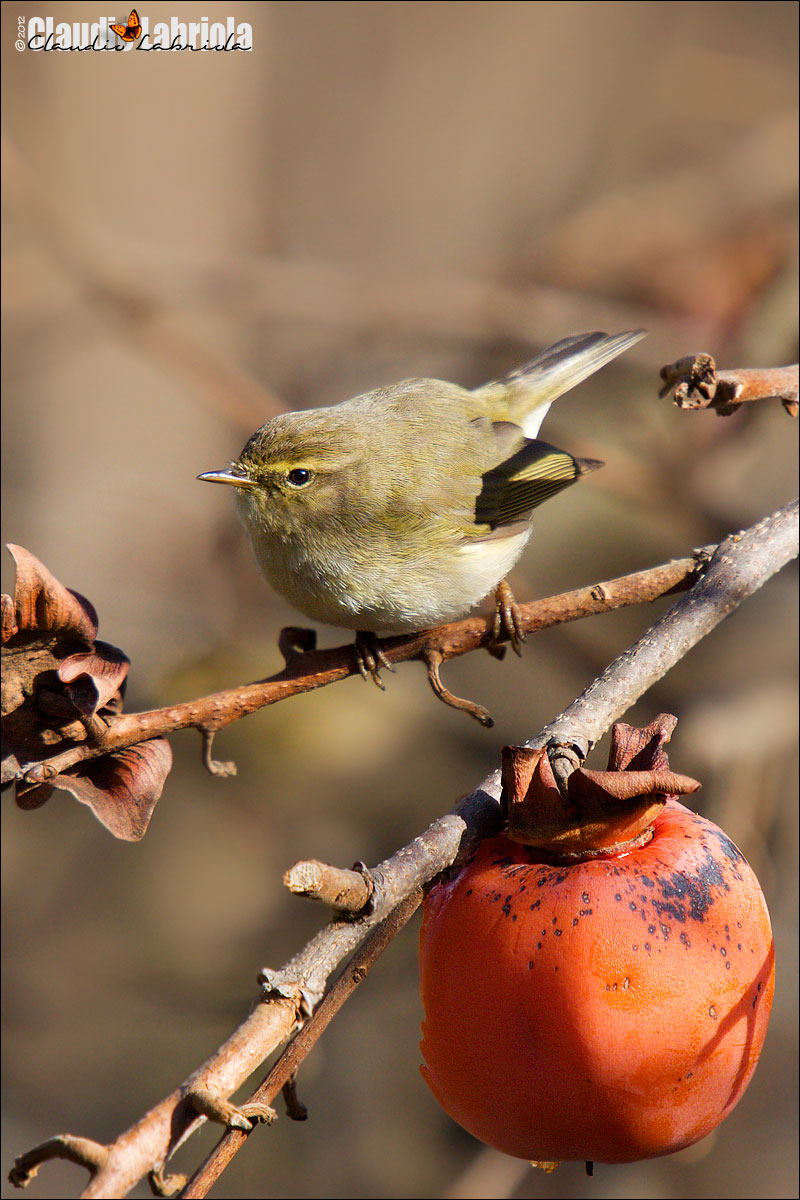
<point x="295" y="1109"/>
<point x="346" y="891"/>
<point x="79" y="1150"/>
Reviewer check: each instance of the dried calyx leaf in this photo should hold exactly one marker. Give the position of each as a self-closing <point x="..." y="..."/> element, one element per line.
<point x="62" y="687"/>
<point x="603" y="811"/>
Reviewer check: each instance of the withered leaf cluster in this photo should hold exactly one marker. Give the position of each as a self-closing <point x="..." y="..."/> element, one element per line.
<point x="62" y="687"/>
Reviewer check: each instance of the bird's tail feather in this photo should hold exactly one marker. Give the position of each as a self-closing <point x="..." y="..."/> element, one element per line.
<point x="530" y="390"/>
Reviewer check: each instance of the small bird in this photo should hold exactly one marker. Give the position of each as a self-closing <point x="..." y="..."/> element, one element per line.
<point x="403" y="508"/>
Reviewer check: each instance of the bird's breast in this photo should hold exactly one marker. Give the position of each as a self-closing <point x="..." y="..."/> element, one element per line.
<point x="380" y="588"/>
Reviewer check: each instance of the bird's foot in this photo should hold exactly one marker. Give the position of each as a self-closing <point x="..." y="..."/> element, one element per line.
<point x="370" y="658"/>
<point x="507" y="621"/>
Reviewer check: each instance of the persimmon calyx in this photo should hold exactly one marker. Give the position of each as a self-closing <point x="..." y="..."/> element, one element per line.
<point x="603" y="811"/>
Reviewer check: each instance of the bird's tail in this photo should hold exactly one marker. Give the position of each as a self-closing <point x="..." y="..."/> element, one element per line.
<point x="530" y="390"/>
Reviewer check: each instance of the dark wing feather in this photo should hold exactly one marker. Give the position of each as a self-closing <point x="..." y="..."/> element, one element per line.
<point x="516" y="486"/>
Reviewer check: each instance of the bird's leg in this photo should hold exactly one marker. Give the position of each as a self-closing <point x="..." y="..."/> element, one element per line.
<point x="370" y="658"/>
<point x="507" y="618"/>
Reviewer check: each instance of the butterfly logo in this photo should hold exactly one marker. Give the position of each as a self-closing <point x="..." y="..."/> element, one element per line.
<point x="131" y="31"/>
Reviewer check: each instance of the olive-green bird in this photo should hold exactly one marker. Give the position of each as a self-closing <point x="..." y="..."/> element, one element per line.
<point x="403" y="508"/>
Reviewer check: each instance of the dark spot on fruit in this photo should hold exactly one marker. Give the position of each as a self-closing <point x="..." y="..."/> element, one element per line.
<point x="651" y="928"/>
<point x="731" y="852"/>
<point x="617" y="896"/>
<point x="646" y="881"/>
<point x="685" y="940"/>
<point x="647" y="947"/>
<point x="684" y="896"/>
<point x="574" y="922"/>
<point x="535" y="904"/>
<point x="712" y="1012"/>
<point x="557" y="932"/>
<point x="585" y="897"/>
<point x="632" y="906"/>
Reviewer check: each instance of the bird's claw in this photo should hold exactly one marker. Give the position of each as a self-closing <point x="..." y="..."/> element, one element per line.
<point x="507" y="620"/>
<point x="370" y="658"/>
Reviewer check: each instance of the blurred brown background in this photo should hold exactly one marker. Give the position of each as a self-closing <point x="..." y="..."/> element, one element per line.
<point x="378" y="190"/>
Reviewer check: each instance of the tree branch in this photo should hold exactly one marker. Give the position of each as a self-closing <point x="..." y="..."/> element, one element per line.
<point x="698" y="384"/>
<point x="286" y="1066"/>
<point x="739" y="566"/>
<point x="309" y="669"/>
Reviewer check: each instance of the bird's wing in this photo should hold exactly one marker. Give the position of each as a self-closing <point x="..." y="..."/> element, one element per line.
<point x="526" y="394"/>
<point x="513" y="488"/>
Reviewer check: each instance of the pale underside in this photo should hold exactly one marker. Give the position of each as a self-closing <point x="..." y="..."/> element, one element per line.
<point x="393" y="596"/>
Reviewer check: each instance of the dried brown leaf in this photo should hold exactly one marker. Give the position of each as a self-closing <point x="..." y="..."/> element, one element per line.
<point x="641" y="749"/>
<point x="43" y="604"/>
<point x="94" y="677"/>
<point x="122" y="789"/>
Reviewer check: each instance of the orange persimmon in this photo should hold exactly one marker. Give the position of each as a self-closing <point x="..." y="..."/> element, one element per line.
<point x="609" y="1009"/>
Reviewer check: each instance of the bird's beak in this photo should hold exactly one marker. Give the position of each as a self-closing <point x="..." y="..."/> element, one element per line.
<point x="227" y="476"/>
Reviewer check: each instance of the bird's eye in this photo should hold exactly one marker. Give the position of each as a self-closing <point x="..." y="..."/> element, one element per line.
<point x="298" y="477"/>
